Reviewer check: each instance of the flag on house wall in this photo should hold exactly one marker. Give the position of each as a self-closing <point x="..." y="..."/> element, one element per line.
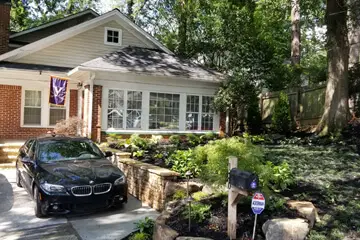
<point x="58" y="88"/>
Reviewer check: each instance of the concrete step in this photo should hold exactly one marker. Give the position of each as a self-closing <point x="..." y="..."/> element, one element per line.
<point x="7" y="165"/>
<point x="7" y="159"/>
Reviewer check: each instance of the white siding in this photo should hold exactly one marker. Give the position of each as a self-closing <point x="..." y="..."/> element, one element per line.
<point x="82" y="48"/>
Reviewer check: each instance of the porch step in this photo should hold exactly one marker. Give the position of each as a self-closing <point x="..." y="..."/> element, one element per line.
<point x="7" y="165"/>
<point x="9" y="152"/>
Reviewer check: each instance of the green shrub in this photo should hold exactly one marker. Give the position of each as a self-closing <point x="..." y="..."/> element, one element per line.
<point x="281" y="176"/>
<point x="145" y="226"/>
<point x="213" y="160"/>
<point x="197" y="196"/>
<point x="140" y="236"/>
<point x="139" y="153"/>
<point x="179" y="194"/>
<point x="208" y="137"/>
<point x="199" y="212"/>
<point x="139" y="142"/>
<point x="182" y="161"/>
<point x="193" y="139"/>
<point x="175" y="139"/>
<point x="281" y="117"/>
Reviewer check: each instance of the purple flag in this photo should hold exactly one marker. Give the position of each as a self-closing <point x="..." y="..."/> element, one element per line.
<point x="58" y="87"/>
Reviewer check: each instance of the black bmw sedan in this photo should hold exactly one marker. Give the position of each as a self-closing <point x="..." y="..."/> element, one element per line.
<point x="69" y="174"/>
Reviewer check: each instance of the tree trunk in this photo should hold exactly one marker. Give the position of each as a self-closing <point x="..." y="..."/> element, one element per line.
<point x="182" y="34"/>
<point x="130" y="9"/>
<point x="295" y="32"/>
<point x="354" y="32"/>
<point x="336" y="109"/>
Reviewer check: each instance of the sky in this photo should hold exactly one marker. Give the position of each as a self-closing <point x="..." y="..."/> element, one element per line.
<point x="107" y="5"/>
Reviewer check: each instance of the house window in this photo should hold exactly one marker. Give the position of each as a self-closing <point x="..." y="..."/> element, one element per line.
<point x="113" y="36"/>
<point x="133" y="111"/>
<point x="164" y="111"/>
<point x="115" y="114"/>
<point x="207" y="114"/>
<point x="57" y="113"/>
<point x="32" y="107"/>
<point x="192" y="112"/>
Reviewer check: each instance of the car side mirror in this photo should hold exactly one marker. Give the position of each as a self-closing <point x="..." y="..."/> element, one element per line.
<point x="108" y="154"/>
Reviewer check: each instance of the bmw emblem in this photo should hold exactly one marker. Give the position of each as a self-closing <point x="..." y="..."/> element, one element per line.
<point x="91" y="182"/>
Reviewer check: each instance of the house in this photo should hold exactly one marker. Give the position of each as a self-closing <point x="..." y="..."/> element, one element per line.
<point x="121" y="79"/>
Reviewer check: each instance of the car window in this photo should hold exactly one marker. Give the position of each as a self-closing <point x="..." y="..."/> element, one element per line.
<point x="60" y="150"/>
<point x="27" y="145"/>
<point x="32" y="150"/>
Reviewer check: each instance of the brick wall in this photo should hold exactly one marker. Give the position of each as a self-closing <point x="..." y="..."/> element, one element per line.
<point x="73" y="103"/>
<point x="96" y="114"/>
<point x="4" y="25"/>
<point x="146" y="182"/>
<point x="10" y="115"/>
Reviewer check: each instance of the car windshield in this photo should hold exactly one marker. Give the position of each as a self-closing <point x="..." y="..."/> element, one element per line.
<point x="59" y="150"/>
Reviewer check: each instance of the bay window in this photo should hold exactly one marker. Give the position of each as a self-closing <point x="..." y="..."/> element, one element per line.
<point x="164" y="111"/>
<point x="192" y="112"/>
<point x="133" y="111"/>
<point x="115" y="114"/>
<point x="207" y="113"/>
<point x="32" y="107"/>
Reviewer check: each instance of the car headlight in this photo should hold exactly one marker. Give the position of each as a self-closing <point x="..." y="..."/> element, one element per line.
<point x="53" y="188"/>
<point x="120" y="181"/>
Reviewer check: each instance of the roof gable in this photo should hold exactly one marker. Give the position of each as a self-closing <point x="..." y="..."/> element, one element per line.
<point x="114" y="15"/>
<point x="36" y="33"/>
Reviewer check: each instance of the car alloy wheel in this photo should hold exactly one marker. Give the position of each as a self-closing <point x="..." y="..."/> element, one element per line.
<point x="39" y="207"/>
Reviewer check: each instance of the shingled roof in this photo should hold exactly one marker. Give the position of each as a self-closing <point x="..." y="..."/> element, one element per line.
<point x="151" y="62"/>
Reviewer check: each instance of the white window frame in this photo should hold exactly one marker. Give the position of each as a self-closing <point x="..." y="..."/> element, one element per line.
<point x="106" y="36"/>
<point x="179" y="122"/>
<point x="45" y="107"/>
<point x="198" y="113"/>
<point x="145" y="108"/>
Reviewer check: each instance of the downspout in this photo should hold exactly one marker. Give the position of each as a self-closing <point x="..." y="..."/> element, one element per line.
<point x="91" y="99"/>
<point x="80" y="109"/>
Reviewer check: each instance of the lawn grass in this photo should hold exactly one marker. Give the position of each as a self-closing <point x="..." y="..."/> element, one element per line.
<point x="328" y="176"/>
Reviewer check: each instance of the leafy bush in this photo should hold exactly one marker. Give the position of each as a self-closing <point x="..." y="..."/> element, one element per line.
<point x="199" y="212"/>
<point x="208" y="137"/>
<point x="182" y="161"/>
<point x="139" y="142"/>
<point x="175" y="139"/>
<point x="145" y="226"/>
<point x="69" y="126"/>
<point x="140" y="236"/>
<point x="281" y="177"/>
<point x="281" y="117"/>
<point x="139" y="153"/>
<point x="213" y="160"/>
<point x="193" y="139"/>
<point x="179" y="194"/>
<point x="199" y="196"/>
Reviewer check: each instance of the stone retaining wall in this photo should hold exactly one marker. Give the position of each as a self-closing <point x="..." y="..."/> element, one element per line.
<point x="146" y="182"/>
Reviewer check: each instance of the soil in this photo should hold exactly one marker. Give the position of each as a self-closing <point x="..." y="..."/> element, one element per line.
<point x="216" y="226"/>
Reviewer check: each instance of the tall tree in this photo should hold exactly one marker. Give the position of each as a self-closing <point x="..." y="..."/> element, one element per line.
<point x="295" y="32"/>
<point x="19" y="15"/>
<point x="354" y="32"/>
<point x="336" y="109"/>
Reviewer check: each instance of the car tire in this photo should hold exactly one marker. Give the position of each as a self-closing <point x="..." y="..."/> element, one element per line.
<point x="39" y="209"/>
<point x="18" y="180"/>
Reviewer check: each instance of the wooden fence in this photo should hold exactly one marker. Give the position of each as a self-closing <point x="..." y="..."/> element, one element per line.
<point x="308" y="103"/>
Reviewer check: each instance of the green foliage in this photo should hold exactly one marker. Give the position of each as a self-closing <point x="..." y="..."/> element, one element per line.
<point x="139" y="142"/>
<point x="182" y="161"/>
<point x="197" y="196"/>
<point x="199" y="212"/>
<point x="145" y="226"/>
<point x="140" y="236"/>
<point x="179" y="194"/>
<point x="253" y="119"/>
<point x="159" y="155"/>
<point x="193" y="139"/>
<point x="139" y="153"/>
<point x="281" y="117"/>
<point x="281" y="177"/>
<point x="175" y="139"/>
<point x="213" y="160"/>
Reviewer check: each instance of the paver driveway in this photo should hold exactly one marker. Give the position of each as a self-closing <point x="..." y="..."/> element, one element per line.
<point x="17" y="219"/>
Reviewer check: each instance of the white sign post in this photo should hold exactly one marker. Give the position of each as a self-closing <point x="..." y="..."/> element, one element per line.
<point x="257" y="206"/>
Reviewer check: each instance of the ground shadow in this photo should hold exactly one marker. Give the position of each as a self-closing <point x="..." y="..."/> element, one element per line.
<point x="6" y="194"/>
